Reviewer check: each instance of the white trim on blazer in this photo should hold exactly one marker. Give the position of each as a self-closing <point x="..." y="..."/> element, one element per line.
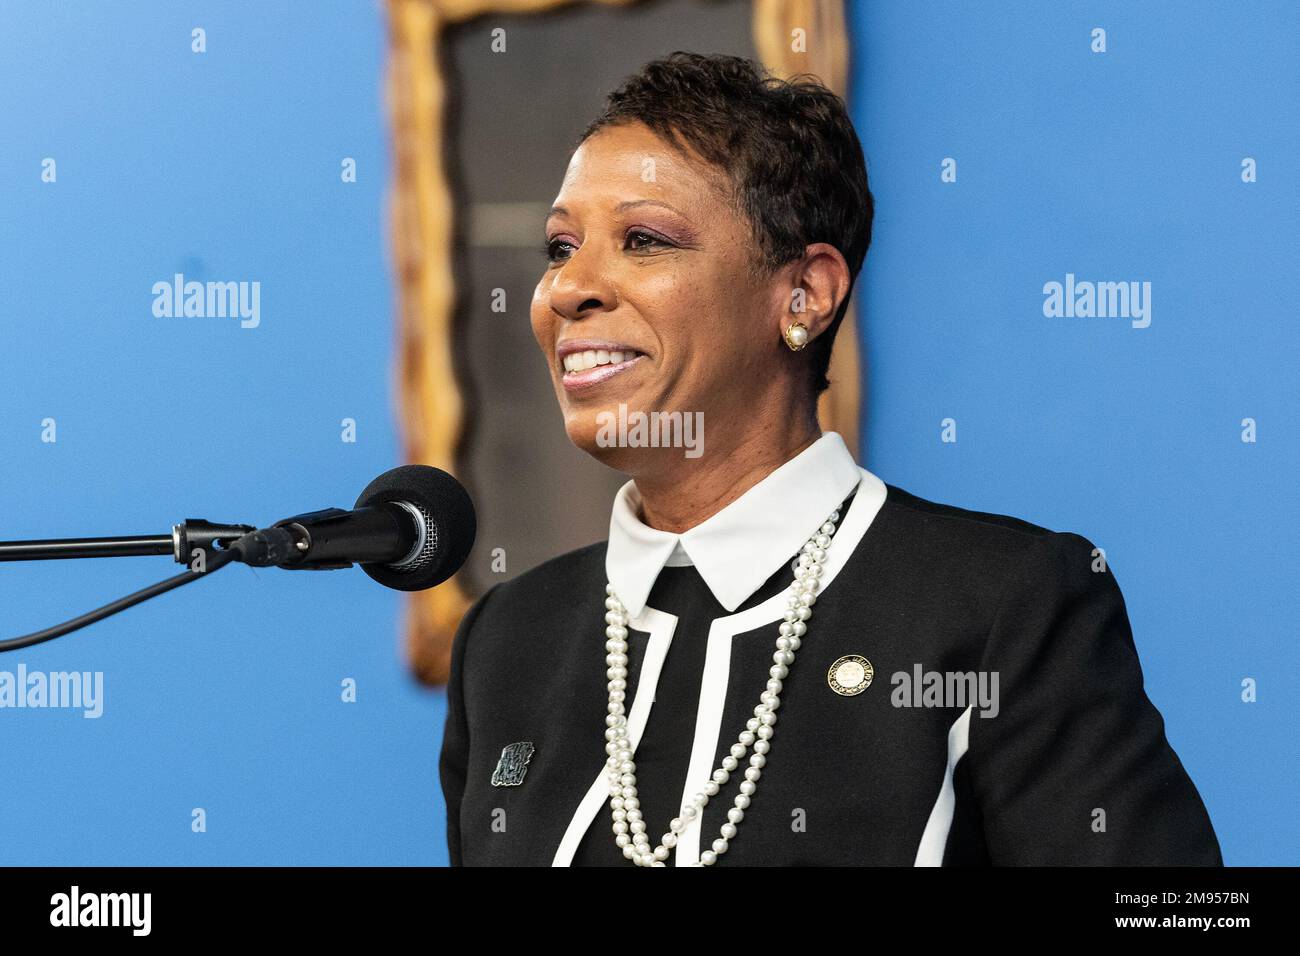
<point x="713" y="687"/>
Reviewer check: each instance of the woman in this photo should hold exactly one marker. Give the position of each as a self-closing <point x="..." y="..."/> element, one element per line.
<point x="776" y="658"/>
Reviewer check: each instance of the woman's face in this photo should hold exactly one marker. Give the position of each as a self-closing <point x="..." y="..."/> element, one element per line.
<point x="651" y="273"/>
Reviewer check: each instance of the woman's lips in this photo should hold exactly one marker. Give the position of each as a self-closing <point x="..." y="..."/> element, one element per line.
<point x="576" y="381"/>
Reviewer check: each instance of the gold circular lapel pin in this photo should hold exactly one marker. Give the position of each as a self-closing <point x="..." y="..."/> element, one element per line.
<point x="850" y="675"/>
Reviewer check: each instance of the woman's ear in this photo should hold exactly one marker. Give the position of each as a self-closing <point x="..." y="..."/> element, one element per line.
<point x="819" y="284"/>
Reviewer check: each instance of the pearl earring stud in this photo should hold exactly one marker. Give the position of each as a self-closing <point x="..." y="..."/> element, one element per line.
<point x="796" y="336"/>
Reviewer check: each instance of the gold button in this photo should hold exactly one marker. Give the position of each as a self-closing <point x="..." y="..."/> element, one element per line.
<point x="850" y="675"/>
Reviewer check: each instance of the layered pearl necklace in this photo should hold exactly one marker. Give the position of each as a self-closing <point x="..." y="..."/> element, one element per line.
<point x="629" y="827"/>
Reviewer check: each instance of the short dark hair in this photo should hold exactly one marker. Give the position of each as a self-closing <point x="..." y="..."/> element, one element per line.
<point x="789" y="148"/>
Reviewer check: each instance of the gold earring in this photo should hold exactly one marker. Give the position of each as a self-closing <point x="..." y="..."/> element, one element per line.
<point x="796" y="336"/>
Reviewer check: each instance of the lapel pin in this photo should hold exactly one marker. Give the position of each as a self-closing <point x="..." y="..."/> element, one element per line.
<point x="513" y="764"/>
<point x="850" y="675"/>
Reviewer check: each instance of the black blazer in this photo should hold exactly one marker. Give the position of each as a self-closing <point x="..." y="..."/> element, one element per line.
<point x="1074" y="769"/>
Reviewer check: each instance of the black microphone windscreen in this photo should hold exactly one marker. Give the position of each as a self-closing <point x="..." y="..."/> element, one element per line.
<point x="448" y="515"/>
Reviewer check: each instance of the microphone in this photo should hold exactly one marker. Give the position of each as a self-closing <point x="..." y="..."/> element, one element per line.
<point x="411" y="529"/>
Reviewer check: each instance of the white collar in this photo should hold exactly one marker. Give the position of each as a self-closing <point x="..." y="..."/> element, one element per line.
<point x="739" y="548"/>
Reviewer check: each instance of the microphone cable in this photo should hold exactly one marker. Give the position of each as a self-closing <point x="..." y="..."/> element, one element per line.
<point x="258" y="548"/>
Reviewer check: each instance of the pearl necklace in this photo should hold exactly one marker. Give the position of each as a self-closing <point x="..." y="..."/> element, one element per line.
<point x="629" y="827"/>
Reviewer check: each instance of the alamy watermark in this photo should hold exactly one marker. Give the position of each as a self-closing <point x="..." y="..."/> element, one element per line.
<point x="75" y="908"/>
<point x="1103" y="300"/>
<point x="73" y="690"/>
<point x="209" y="300"/>
<point x="637" y="429"/>
<point x="955" y="690"/>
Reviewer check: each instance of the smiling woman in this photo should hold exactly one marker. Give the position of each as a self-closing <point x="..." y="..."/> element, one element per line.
<point x="700" y="254"/>
<point x="675" y="243"/>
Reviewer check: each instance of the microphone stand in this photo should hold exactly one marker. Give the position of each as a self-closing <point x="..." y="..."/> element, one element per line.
<point x="189" y="534"/>
<point x="187" y="537"/>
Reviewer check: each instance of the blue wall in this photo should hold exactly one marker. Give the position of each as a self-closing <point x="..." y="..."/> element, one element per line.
<point x="224" y="695"/>
<point x="1115" y="166"/>
<point x="226" y="166"/>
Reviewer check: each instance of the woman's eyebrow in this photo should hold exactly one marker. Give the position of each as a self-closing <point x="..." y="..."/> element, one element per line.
<point x="633" y="203"/>
<point x="621" y="207"/>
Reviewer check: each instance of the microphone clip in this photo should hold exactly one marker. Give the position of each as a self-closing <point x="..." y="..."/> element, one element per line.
<point x="203" y="535"/>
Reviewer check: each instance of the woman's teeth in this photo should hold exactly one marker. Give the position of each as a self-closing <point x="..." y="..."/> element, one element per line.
<point x="581" y="361"/>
